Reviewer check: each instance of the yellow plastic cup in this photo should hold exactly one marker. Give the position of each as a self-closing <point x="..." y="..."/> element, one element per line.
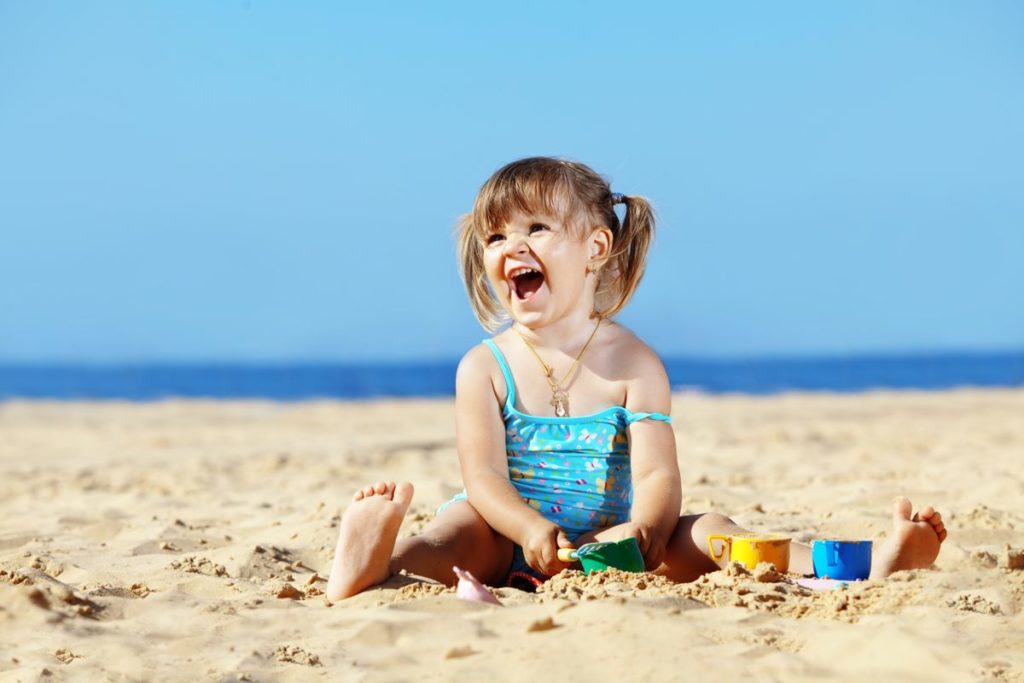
<point x="749" y="549"/>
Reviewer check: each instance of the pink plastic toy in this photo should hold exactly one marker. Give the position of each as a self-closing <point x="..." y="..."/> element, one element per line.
<point x="471" y="589"/>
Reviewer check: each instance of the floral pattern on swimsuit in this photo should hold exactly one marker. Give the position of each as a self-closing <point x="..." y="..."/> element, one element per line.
<point x="573" y="470"/>
<point x="576" y="475"/>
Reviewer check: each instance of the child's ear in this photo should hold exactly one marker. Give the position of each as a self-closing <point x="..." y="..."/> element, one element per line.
<point x="599" y="244"/>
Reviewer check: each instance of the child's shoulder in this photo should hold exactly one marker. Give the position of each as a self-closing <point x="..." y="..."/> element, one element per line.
<point x="479" y="386"/>
<point x="478" y="357"/>
<point x="477" y="365"/>
<point x="629" y="352"/>
<point x="630" y="359"/>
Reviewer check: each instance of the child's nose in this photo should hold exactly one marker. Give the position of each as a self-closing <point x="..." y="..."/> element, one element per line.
<point x="515" y="243"/>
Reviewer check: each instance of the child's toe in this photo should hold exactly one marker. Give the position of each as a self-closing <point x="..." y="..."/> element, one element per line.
<point x="380" y="487"/>
<point x="901" y="509"/>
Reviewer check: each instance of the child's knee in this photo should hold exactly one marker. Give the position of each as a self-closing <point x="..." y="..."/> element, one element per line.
<point x="712" y="522"/>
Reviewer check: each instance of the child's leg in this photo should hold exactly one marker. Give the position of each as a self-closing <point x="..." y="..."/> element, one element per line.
<point x="686" y="554"/>
<point x="367" y="553"/>
<point x="913" y="543"/>
<point x="458" y="536"/>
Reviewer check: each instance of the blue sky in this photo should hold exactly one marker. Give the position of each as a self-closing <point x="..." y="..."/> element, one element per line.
<point x="262" y="181"/>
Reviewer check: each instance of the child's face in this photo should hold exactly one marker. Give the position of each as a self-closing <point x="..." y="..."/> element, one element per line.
<point x="538" y="268"/>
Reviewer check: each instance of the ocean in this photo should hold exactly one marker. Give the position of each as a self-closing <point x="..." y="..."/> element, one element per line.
<point x="303" y="381"/>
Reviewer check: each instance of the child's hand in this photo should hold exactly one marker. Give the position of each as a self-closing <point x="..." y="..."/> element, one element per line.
<point x="540" y="547"/>
<point x="652" y="545"/>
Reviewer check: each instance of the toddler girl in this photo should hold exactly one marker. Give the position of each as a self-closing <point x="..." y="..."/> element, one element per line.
<point x="562" y="419"/>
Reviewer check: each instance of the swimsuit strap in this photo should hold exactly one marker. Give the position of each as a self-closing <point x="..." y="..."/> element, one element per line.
<point x="510" y="399"/>
<point x="660" y="417"/>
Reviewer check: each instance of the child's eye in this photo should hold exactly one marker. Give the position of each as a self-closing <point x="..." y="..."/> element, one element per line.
<point x="537" y="227"/>
<point x="495" y="237"/>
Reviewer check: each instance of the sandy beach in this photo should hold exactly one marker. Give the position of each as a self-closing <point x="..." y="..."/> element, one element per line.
<point x="187" y="541"/>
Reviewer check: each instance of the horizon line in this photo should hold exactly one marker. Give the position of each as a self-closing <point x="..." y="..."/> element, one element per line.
<point x="435" y="360"/>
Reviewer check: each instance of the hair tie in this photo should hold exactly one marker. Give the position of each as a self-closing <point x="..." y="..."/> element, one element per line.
<point x="618" y="198"/>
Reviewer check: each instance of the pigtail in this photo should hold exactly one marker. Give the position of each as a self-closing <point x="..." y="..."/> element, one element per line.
<point x="628" y="257"/>
<point x="471" y="265"/>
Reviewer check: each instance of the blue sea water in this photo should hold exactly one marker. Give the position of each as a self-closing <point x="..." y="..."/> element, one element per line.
<point x="356" y="381"/>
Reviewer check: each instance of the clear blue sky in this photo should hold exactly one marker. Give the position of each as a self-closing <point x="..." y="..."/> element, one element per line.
<point x="278" y="181"/>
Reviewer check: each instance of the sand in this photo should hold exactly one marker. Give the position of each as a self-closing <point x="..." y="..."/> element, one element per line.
<point x="187" y="540"/>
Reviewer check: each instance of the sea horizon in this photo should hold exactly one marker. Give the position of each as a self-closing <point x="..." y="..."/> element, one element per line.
<point x="310" y="380"/>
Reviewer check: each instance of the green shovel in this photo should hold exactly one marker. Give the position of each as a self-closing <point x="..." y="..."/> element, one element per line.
<point x="595" y="557"/>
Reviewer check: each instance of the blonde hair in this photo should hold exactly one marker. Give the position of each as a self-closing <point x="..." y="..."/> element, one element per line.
<point x="569" y="191"/>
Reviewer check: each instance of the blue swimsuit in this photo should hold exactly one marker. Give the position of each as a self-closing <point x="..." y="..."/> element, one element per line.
<point x="575" y="471"/>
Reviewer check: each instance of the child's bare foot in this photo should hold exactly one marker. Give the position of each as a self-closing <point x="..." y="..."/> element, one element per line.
<point x="369" y="527"/>
<point x="914" y="542"/>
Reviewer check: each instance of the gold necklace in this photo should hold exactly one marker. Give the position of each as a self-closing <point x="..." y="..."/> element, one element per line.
<point x="559" y="395"/>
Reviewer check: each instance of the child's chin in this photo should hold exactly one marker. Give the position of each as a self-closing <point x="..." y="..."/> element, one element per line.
<point x="527" y="316"/>
<point x="533" y="305"/>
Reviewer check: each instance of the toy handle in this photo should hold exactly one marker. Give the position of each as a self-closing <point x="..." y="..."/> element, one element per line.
<point x="833" y="559"/>
<point x="711" y="546"/>
<point x="568" y="554"/>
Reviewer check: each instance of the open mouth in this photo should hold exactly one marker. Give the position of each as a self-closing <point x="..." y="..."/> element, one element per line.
<point x="525" y="282"/>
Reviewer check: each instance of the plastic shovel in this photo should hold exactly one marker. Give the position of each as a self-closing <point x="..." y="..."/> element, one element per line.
<point x="594" y="557"/>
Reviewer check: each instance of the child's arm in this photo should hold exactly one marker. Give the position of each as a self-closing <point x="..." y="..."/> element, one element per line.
<point x="480" y="439"/>
<point x="657" y="493"/>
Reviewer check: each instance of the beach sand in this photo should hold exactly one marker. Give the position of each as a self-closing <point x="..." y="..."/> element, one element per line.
<point x="182" y="541"/>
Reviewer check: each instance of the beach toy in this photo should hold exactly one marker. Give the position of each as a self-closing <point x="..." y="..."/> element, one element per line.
<point x="595" y="557"/>
<point x="469" y="588"/>
<point x="749" y="549"/>
<point x="844" y="560"/>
